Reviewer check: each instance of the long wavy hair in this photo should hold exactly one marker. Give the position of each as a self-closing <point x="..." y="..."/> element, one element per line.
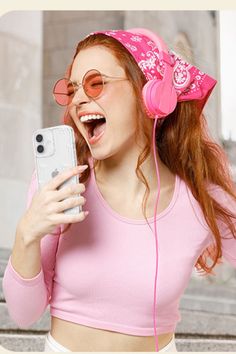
<point x="183" y="144"/>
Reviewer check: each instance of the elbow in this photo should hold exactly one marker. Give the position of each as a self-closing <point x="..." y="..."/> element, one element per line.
<point x="23" y="310"/>
<point x="26" y="300"/>
<point x="23" y="323"/>
<point x="26" y="319"/>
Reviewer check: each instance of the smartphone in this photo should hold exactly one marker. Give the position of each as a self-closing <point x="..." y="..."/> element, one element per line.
<point x="54" y="151"/>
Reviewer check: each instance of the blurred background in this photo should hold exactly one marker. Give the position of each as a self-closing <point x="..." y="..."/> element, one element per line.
<point x="36" y="48"/>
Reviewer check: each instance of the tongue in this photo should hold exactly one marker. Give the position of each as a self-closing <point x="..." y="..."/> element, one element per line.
<point x="100" y="127"/>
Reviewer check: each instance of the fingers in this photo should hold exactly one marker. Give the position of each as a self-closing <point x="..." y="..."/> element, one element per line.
<point x="69" y="203"/>
<point x="63" y="176"/>
<point x="69" y="219"/>
<point x="68" y="191"/>
<point x="49" y="203"/>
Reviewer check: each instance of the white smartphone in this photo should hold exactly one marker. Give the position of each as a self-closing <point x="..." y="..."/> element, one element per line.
<point x="54" y="151"/>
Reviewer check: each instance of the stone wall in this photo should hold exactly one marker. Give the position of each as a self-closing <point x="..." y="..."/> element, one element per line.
<point x="20" y="105"/>
<point x="62" y="31"/>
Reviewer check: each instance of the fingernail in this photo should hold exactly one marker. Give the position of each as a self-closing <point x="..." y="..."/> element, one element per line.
<point x="82" y="167"/>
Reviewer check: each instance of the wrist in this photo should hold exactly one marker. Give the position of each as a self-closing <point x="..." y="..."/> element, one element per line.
<point x="24" y="235"/>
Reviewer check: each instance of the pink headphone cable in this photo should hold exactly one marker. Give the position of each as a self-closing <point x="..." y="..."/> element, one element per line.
<point x="155" y="211"/>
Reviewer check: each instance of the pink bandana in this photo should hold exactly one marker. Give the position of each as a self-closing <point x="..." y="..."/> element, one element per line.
<point x="190" y="83"/>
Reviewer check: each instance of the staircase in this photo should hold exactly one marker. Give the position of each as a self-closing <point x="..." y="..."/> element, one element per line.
<point x="208" y="319"/>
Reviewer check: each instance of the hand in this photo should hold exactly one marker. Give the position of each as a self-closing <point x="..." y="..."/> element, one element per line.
<point x="46" y="209"/>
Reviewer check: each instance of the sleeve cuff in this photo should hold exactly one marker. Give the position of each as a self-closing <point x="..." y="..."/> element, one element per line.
<point x="24" y="281"/>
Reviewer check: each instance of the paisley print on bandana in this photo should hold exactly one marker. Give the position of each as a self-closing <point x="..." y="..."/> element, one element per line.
<point x="190" y="82"/>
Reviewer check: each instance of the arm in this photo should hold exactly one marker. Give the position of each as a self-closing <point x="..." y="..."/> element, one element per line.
<point x="227" y="238"/>
<point x="28" y="277"/>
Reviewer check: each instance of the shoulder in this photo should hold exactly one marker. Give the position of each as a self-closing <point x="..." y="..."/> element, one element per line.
<point x="222" y="197"/>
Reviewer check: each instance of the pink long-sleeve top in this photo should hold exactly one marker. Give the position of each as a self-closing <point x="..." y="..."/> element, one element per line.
<point x="101" y="272"/>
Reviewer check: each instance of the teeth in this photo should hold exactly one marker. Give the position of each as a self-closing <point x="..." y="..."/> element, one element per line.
<point x="88" y="117"/>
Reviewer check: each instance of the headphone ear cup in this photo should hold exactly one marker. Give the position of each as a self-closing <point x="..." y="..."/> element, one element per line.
<point x="158" y="100"/>
<point x="149" y="95"/>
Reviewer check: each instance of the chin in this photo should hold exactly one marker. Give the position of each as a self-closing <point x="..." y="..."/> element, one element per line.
<point x="99" y="154"/>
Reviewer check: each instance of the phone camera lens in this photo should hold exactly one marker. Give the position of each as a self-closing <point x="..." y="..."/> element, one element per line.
<point x="39" y="138"/>
<point x="40" y="148"/>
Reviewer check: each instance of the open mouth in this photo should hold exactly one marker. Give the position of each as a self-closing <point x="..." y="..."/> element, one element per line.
<point x="95" y="127"/>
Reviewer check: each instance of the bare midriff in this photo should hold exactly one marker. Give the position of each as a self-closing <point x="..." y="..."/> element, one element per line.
<point x="76" y="337"/>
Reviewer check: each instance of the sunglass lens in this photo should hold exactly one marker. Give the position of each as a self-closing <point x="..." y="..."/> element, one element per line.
<point x="93" y="84"/>
<point x="63" y="92"/>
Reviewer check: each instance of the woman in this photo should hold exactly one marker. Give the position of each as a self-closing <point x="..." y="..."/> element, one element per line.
<point x="97" y="272"/>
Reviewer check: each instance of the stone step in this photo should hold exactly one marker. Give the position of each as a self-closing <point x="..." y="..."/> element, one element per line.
<point x="35" y="343"/>
<point x="23" y="342"/>
<point x="206" y="324"/>
<point x="205" y="345"/>
<point x="3" y="264"/>
<point x="2" y="267"/>
<point x="210" y="289"/>
<point x="208" y="304"/>
<point x="4" y="256"/>
<point x="1" y="292"/>
<point x="213" y="299"/>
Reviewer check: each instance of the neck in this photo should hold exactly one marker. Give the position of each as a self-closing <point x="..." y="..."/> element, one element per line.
<point x="120" y="175"/>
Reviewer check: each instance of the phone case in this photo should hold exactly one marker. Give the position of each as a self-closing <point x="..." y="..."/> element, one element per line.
<point x="54" y="151"/>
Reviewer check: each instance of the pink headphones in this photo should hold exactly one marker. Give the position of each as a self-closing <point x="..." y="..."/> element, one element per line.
<point x="160" y="99"/>
<point x="159" y="95"/>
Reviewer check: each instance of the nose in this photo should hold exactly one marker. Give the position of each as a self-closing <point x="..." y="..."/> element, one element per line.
<point x="80" y="96"/>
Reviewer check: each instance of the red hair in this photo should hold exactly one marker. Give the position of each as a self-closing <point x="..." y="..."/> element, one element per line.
<point x="183" y="144"/>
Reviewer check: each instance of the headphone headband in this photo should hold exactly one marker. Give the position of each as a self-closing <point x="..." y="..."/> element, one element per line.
<point x="149" y="34"/>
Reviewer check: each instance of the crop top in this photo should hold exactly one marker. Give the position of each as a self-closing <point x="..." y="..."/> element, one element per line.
<point x="101" y="272"/>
